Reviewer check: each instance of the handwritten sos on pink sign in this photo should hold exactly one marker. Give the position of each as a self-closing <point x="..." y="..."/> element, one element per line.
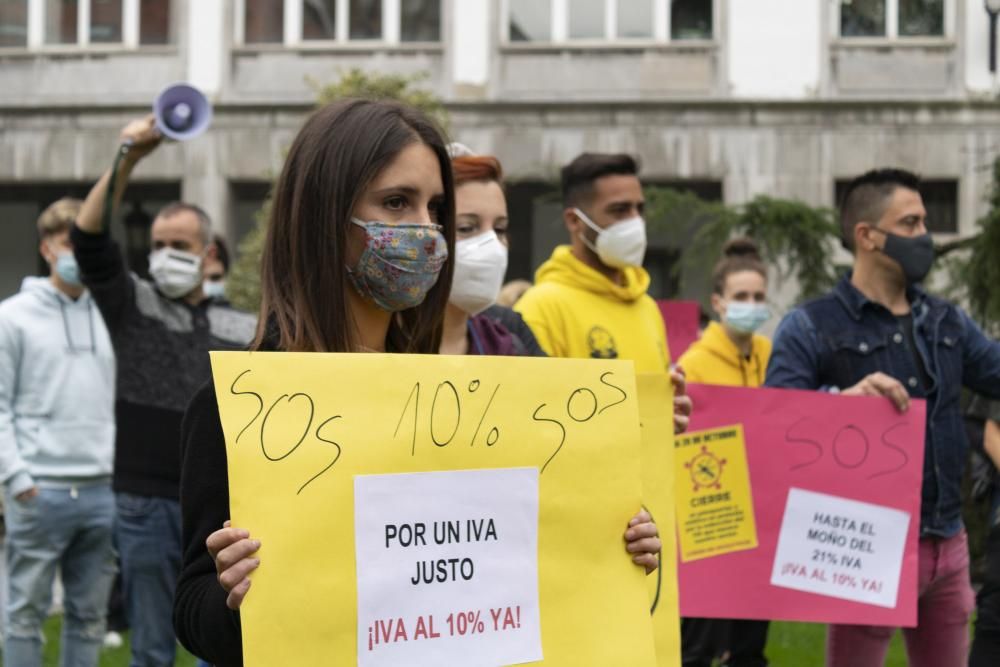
<point x="835" y="482"/>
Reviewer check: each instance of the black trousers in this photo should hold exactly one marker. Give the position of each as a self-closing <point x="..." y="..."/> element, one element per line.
<point x="986" y="644"/>
<point x="704" y="639"/>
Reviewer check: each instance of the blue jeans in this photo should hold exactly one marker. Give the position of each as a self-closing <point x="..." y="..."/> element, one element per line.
<point x="69" y="529"/>
<point x="148" y="537"/>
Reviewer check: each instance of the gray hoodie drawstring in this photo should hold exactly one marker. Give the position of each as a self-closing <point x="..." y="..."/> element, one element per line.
<point x="90" y="323"/>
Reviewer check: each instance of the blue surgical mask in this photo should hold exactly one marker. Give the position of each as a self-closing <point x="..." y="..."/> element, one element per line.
<point x="400" y="263"/>
<point x="67" y="269"/>
<point x="746" y="317"/>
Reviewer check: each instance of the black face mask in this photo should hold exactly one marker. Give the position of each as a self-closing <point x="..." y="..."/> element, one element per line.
<point x="915" y="255"/>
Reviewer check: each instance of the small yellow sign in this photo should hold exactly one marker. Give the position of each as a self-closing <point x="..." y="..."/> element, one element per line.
<point x="714" y="500"/>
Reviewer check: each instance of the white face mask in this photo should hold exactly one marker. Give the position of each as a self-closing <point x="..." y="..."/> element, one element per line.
<point x="480" y="266"/>
<point x="175" y="272"/>
<point x="214" y="289"/>
<point x="619" y="246"/>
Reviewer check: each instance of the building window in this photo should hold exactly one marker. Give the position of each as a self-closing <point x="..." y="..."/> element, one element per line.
<point x="154" y="22"/>
<point x="559" y="21"/>
<point x="61" y="21"/>
<point x="37" y="24"/>
<point x="420" y="20"/>
<point x="319" y="19"/>
<point x="893" y="18"/>
<point x="106" y="21"/>
<point x="586" y="19"/>
<point x="530" y="20"/>
<point x="691" y="19"/>
<point x="13" y="23"/>
<point x="918" y="18"/>
<point x="940" y="197"/>
<point x="365" y="19"/>
<point x="636" y="19"/>
<point x="264" y="21"/>
<point x="294" y="22"/>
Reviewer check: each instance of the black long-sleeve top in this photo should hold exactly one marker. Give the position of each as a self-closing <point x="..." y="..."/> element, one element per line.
<point x="202" y="621"/>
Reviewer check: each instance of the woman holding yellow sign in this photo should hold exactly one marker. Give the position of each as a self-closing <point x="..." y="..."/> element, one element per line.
<point x="358" y="258"/>
<point x="730" y="352"/>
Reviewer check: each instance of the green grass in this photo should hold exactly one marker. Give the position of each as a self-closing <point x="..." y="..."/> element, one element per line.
<point x="804" y="645"/>
<point x="117" y="657"/>
<point x="789" y="645"/>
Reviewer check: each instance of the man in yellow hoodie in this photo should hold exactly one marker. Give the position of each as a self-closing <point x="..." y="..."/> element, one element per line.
<point x="589" y="299"/>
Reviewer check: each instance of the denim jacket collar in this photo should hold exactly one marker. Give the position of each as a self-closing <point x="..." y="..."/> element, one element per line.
<point x="855" y="302"/>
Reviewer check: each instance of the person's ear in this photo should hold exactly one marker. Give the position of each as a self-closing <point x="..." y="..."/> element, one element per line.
<point x="863" y="239"/>
<point x="571" y="220"/>
<point x="46" y="252"/>
<point x="718" y="305"/>
<point x="211" y="251"/>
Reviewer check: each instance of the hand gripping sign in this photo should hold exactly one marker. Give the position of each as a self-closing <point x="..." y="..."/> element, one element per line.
<point x="438" y="510"/>
<point x="799" y="505"/>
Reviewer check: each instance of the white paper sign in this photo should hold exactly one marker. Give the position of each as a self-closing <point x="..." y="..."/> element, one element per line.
<point x="841" y="548"/>
<point x="448" y="568"/>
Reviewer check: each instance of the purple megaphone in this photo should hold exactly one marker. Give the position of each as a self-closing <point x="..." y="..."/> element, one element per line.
<point x="182" y="112"/>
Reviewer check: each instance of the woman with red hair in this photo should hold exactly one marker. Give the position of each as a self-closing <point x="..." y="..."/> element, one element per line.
<point x="472" y="323"/>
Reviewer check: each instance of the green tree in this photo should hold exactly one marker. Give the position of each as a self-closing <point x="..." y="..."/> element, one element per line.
<point x="972" y="264"/>
<point x="800" y="239"/>
<point x="243" y="285"/>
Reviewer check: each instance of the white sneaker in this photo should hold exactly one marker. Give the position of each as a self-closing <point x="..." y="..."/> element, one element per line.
<point x="113" y="640"/>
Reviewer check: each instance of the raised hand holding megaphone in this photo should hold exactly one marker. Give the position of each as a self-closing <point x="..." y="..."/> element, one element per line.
<point x="182" y="112"/>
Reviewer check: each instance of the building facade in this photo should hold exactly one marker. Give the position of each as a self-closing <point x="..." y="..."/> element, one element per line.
<point x="729" y="98"/>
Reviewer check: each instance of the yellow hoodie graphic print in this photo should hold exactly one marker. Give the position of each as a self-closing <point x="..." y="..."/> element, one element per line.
<point x="575" y="311"/>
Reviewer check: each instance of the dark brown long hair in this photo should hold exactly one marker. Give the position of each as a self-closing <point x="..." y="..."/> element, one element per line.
<point x="337" y="154"/>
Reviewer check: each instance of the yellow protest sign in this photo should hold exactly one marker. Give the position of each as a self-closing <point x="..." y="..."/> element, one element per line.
<point x="714" y="500"/>
<point x="657" y="419"/>
<point x="414" y="508"/>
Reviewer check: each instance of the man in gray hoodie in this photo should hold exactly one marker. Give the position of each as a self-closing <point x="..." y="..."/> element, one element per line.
<point x="57" y="432"/>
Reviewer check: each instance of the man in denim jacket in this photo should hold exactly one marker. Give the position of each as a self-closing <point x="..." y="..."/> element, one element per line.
<point x="879" y="334"/>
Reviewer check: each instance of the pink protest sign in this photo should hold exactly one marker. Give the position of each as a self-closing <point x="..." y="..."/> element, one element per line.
<point x="682" y="319"/>
<point x="835" y="484"/>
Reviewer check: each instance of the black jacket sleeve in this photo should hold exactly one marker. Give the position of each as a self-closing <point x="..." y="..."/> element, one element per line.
<point x="514" y="323"/>
<point x="103" y="271"/>
<point x="203" y="622"/>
